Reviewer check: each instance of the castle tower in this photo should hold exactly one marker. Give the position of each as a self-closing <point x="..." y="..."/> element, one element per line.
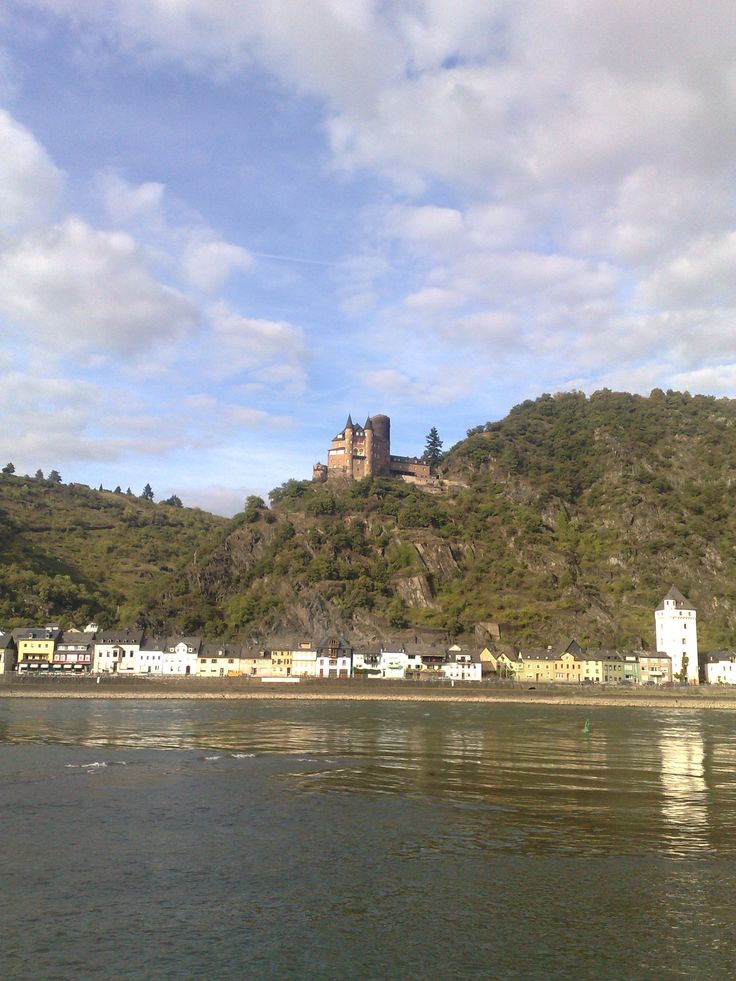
<point x="381" y="445"/>
<point x="675" y="621"/>
<point x="368" y="428"/>
<point x="349" y="446"/>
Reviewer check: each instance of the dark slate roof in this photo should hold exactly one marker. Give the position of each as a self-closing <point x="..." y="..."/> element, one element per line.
<point x="76" y="637"/>
<point x="680" y="602"/>
<point x="368" y="423"/>
<point x="537" y="655"/>
<point x="571" y="647"/>
<point x="153" y="644"/>
<point x="349" y="423"/>
<point x="194" y="642"/>
<point x="219" y="650"/>
<point x="325" y="643"/>
<point x="715" y="656"/>
<point x="37" y="633"/>
<point x="6" y="640"/>
<point x="120" y="635"/>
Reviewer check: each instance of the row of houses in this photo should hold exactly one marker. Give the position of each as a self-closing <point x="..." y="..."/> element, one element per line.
<point x="571" y="664"/>
<point x="128" y="652"/>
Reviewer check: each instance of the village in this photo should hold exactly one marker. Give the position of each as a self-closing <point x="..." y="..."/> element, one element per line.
<point x="49" y="650"/>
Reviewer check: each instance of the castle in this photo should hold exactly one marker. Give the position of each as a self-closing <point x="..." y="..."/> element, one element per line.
<point x="365" y="451"/>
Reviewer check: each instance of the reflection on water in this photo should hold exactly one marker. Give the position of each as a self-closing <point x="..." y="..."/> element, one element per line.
<point x="365" y="840"/>
<point x="637" y="780"/>
<point x="685" y="799"/>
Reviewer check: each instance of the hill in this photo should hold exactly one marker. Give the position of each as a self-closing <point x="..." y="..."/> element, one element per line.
<point x="571" y="516"/>
<point x="71" y="554"/>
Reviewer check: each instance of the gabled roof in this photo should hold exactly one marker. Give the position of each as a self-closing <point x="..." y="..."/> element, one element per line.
<point x="220" y="650"/>
<point x="76" y="637"/>
<point x="6" y="640"/>
<point x="37" y="633"/>
<point x="333" y="641"/>
<point x="542" y="654"/>
<point x="680" y="602"/>
<point x="571" y="647"/>
<point x="121" y="635"/>
<point x="194" y="642"/>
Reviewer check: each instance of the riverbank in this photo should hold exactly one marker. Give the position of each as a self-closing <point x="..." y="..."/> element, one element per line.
<point x="723" y="699"/>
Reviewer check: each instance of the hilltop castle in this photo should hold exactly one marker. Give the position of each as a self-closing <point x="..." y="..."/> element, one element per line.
<point x="365" y="451"/>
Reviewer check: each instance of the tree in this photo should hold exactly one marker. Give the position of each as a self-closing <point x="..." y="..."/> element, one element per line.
<point x="8" y="468"/>
<point x="147" y="493"/>
<point x="433" y="447"/>
<point x="174" y="501"/>
<point x="117" y="490"/>
<point x="129" y="492"/>
<point x="39" y="475"/>
<point x="253" y="507"/>
<point x="54" y="476"/>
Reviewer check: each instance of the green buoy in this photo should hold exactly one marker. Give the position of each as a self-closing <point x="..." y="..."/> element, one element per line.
<point x="586" y="727"/>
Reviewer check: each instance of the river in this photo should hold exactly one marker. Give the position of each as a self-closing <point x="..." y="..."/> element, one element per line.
<point x="247" y="839"/>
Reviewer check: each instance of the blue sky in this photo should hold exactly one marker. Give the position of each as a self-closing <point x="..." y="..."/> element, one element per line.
<point x="224" y="225"/>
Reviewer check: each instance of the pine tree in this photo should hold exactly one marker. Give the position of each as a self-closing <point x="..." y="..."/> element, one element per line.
<point x="147" y="494"/>
<point x="54" y="476"/>
<point x="8" y="468"/>
<point x="432" y="447"/>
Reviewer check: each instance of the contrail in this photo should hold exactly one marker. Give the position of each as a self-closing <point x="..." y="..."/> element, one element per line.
<point x="291" y="258"/>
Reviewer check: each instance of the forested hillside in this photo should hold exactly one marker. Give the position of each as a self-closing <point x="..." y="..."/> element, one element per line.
<point x="571" y="516"/>
<point x="71" y="554"/>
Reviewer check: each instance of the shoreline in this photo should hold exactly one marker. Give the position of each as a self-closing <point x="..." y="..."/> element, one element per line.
<point x="161" y="691"/>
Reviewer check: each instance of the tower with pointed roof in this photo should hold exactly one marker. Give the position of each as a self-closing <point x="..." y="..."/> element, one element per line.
<point x="675" y="621"/>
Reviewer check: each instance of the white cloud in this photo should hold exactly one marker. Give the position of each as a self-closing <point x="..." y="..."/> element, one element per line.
<point x="126" y="203"/>
<point x="704" y="274"/>
<point x="422" y="388"/>
<point x="263" y="350"/>
<point x="77" y="290"/>
<point x="718" y="379"/>
<point x="30" y="184"/>
<point x="208" y="263"/>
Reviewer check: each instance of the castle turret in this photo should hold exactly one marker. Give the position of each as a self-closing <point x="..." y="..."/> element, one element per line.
<point x="349" y="447"/>
<point x="368" y="429"/>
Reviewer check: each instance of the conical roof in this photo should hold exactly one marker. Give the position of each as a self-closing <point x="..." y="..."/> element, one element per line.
<point x="368" y="423"/>
<point x="349" y="423"/>
<point x="680" y="602"/>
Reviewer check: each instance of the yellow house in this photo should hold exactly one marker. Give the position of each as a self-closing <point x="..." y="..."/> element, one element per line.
<point x="281" y="663"/>
<point x="36" y="646"/>
<point x="499" y="663"/>
<point x="569" y="667"/>
<point x="536" y="665"/>
<point x="218" y="661"/>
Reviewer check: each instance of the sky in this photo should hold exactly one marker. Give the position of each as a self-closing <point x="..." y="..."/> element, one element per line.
<point x="225" y="225"/>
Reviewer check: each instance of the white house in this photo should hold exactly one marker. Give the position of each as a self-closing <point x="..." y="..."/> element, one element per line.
<point x="677" y="635"/>
<point x="334" y="658"/>
<point x="720" y="668"/>
<point x="180" y="655"/>
<point x="117" y="649"/>
<point x="461" y="665"/>
<point x="395" y="663"/>
<point x="304" y="662"/>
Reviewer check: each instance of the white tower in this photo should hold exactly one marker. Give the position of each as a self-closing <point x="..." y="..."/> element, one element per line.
<point x="677" y="634"/>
